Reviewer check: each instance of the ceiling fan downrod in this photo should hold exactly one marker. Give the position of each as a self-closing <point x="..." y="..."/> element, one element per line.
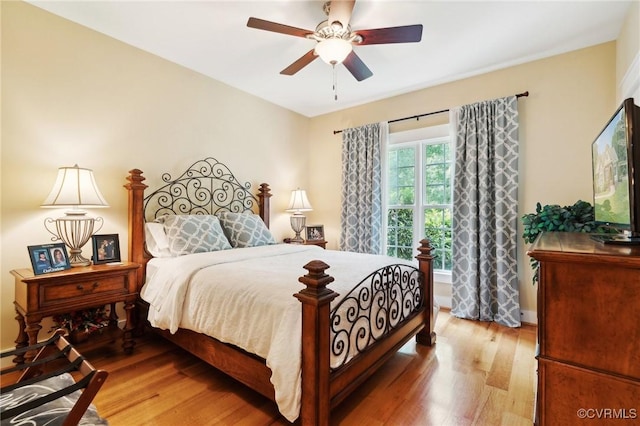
<point x="335" y="82"/>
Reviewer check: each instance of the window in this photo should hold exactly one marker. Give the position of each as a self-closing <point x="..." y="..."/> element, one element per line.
<point x="419" y="194"/>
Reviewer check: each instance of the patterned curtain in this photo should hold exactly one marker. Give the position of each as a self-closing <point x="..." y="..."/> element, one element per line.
<point x="361" y="215"/>
<point x="485" y="200"/>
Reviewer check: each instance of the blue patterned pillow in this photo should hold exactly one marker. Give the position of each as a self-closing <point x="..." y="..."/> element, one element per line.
<point x="189" y="234"/>
<point x="245" y="230"/>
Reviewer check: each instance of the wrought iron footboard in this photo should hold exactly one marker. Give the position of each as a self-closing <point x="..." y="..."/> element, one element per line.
<point x="379" y="303"/>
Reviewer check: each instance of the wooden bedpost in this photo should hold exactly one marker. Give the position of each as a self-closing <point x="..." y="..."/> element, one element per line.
<point x="425" y="263"/>
<point x="137" y="254"/>
<point x="315" y="299"/>
<point x="263" y="202"/>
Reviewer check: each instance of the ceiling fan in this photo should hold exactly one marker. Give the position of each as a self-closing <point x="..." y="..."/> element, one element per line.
<point x="336" y="39"/>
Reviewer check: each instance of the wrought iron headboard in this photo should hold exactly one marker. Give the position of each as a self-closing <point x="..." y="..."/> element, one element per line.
<point x="206" y="187"/>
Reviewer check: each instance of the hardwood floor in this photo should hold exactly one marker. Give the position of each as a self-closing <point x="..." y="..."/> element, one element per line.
<point x="477" y="374"/>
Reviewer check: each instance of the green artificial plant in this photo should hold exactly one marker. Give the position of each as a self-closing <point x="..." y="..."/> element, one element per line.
<point x="552" y="217"/>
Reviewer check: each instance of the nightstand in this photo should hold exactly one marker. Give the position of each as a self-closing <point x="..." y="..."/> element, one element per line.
<point x="319" y="243"/>
<point x="39" y="296"/>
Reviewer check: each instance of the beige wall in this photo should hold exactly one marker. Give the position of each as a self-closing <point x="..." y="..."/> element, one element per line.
<point x="71" y="95"/>
<point x="570" y="98"/>
<point x="628" y="55"/>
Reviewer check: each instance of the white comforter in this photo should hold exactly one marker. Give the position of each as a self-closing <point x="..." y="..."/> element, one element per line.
<point x="217" y="294"/>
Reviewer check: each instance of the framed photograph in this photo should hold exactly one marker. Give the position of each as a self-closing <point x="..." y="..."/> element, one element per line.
<point x="106" y="248"/>
<point x="315" y="233"/>
<point x="47" y="258"/>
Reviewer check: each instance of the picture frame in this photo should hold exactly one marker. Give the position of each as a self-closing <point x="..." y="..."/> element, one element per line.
<point x="47" y="258"/>
<point x="106" y="248"/>
<point x="315" y="232"/>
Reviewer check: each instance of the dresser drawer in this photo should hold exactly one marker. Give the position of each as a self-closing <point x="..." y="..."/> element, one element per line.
<point x="591" y="316"/>
<point x="576" y="396"/>
<point x="80" y="290"/>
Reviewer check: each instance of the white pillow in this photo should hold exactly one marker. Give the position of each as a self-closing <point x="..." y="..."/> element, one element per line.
<point x="156" y="239"/>
<point x="189" y="234"/>
<point x="245" y="229"/>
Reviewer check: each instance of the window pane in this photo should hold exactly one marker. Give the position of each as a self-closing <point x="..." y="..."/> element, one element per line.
<point x="436" y="194"/>
<point x="406" y="157"/>
<point x="400" y="233"/>
<point x="437" y="228"/>
<point x="402" y="176"/>
<point x="436" y="153"/>
<point x="437" y="174"/>
<point x="448" y="250"/>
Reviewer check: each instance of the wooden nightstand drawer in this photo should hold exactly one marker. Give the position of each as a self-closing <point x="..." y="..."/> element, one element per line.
<point x="39" y="296"/>
<point x="52" y="294"/>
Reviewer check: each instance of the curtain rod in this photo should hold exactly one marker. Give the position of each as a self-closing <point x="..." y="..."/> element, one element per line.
<point x="417" y="117"/>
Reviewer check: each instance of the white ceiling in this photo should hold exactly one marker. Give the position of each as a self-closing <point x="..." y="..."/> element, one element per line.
<point x="460" y="39"/>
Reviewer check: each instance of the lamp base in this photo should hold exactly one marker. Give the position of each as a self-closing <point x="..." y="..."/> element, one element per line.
<point x="76" y="259"/>
<point x="296" y="240"/>
<point x="75" y="231"/>
<point x="297" y="224"/>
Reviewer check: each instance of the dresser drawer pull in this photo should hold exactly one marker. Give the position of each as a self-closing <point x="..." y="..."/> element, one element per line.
<point x="81" y="287"/>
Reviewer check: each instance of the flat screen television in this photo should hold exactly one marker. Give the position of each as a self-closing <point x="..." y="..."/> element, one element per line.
<point x="616" y="176"/>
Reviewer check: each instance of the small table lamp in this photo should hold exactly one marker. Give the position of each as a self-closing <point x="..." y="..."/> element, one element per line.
<point x="75" y="188"/>
<point x="297" y="204"/>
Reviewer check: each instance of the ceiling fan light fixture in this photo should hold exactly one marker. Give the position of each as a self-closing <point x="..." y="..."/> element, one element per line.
<point x="333" y="50"/>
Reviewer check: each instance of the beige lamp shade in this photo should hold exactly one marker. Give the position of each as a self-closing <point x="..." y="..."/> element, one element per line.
<point x="299" y="202"/>
<point x="75" y="187"/>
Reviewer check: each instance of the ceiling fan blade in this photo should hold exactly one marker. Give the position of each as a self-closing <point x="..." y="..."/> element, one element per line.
<point x="406" y="34"/>
<point x="261" y="24"/>
<point x="340" y="10"/>
<point x="305" y="60"/>
<point x="356" y="67"/>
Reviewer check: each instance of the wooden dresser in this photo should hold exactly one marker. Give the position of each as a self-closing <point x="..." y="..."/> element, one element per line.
<point x="588" y="331"/>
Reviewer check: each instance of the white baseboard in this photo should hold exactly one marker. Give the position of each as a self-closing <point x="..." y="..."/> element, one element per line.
<point x="530" y="317"/>
<point x="443" y="301"/>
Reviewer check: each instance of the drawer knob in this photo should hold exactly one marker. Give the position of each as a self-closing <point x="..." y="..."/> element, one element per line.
<point x="95" y="285"/>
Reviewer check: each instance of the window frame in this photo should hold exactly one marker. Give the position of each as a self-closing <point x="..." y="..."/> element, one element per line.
<point x="418" y="139"/>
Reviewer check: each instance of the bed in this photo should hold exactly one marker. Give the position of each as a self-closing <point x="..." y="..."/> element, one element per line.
<point x="313" y="337"/>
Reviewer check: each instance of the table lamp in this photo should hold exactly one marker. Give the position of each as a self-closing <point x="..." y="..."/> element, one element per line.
<point x="76" y="189"/>
<point x="297" y="204"/>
